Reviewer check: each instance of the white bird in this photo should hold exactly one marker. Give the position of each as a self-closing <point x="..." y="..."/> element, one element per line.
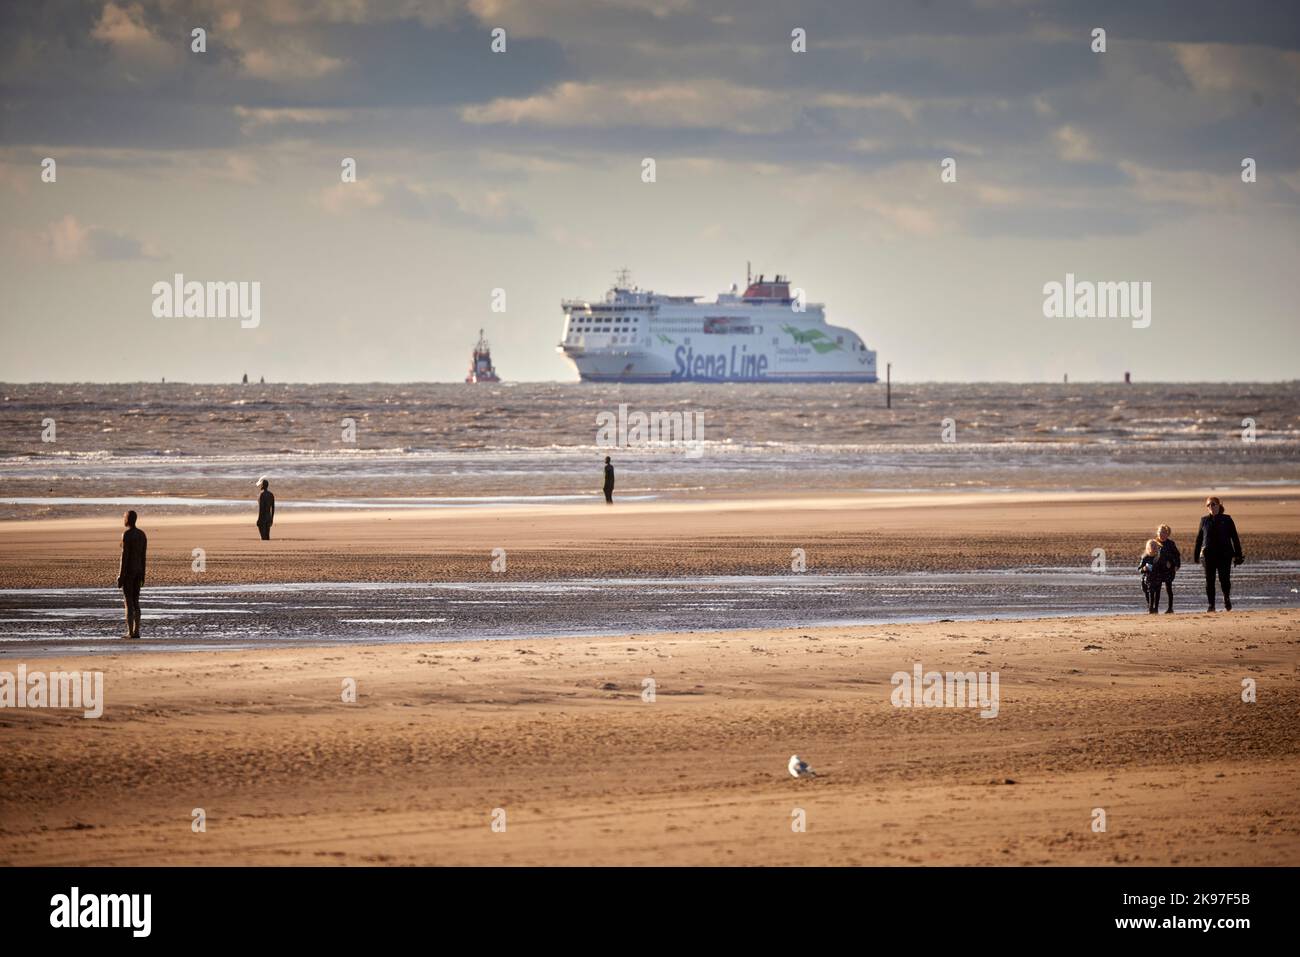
<point x="800" y="769"/>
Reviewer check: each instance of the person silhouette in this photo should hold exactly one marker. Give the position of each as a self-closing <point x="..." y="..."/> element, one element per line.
<point x="265" y="509"/>
<point x="609" y="482"/>
<point x="1220" y="547"/>
<point x="130" y="572"/>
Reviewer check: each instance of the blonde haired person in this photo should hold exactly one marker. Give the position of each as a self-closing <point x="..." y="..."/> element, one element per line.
<point x="1167" y="564"/>
<point x="1147" y="568"/>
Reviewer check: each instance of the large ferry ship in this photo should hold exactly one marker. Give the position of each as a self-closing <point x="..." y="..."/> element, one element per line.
<point x="763" y="334"/>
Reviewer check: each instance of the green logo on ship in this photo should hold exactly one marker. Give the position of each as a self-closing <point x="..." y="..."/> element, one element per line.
<point x="811" y="337"/>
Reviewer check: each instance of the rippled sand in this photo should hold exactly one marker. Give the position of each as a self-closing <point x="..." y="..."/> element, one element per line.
<point x="1141" y="719"/>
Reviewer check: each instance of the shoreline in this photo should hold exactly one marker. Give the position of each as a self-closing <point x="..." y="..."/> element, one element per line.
<point x="885" y="533"/>
<point x="757" y="500"/>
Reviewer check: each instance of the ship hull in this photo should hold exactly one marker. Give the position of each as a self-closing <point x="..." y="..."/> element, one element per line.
<point x="597" y="375"/>
<point x="729" y="365"/>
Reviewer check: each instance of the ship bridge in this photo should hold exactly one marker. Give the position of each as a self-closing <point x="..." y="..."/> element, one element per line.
<point x="776" y="289"/>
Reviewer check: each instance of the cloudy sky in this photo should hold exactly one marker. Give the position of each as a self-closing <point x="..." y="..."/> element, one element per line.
<point x="522" y="171"/>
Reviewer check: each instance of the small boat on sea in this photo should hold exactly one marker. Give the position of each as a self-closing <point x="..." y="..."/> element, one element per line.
<point x="480" y="365"/>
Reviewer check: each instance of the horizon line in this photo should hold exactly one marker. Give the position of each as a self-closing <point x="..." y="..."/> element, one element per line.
<point x="514" y="382"/>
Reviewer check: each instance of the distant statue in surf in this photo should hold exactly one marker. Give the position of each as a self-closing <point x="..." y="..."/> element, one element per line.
<point x="130" y="572"/>
<point x="609" y="482"/>
<point x="265" y="509"/>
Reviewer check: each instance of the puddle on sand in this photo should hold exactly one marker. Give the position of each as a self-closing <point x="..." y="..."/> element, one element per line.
<point x="87" y="620"/>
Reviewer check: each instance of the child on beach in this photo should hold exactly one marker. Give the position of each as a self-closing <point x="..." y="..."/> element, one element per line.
<point x="1167" y="564"/>
<point x="1150" y="581"/>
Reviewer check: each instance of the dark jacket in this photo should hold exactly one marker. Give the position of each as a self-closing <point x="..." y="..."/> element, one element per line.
<point x="1217" y="537"/>
<point x="1168" y="561"/>
<point x="131" y="571"/>
<point x="1147" y="566"/>
<point x="609" y="478"/>
<point x="265" y="508"/>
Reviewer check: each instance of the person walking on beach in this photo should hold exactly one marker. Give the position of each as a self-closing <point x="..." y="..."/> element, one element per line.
<point x="1147" y="569"/>
<point x="265" y="509"/>
<point x="1218" y="544"/>
<point x="609" y="482"/>
<point x="130" y="573"/>
<point x="1168" y="561"/>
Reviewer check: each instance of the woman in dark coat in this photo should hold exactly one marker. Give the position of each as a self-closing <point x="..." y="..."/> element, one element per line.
<point x="1220" y="547"/>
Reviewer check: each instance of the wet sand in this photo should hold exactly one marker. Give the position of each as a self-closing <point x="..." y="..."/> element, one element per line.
<point x="738" y="536"/>
<point x="1139" y="716"/>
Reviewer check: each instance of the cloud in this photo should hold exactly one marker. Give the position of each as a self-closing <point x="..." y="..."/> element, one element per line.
<point x="19" y="178"/>
<point x="493" y="212"/>
<point x="290" y="61"/>
<point x="255" y="118"/>
<point x="238" y="168"/>
<point x="68" y="241"/>
<point x="1220" y="68"/>
<point x="703" y="104"/>
<point x="349" y="197"/>
<point x="124" y="29"/>
<point x="1073" y="144"/>
<point x="879" y="101"/>
<point x="304" y="12"/>
<point x="904" y="217"/>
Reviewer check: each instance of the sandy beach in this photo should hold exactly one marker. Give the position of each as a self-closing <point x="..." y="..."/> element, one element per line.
<point x="1142" y="718"/>
<point x="755" y="536"/>
<point x="1137" y="715"/>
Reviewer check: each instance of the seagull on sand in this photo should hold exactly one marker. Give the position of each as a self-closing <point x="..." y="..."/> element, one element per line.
<point x="800" y="769"/>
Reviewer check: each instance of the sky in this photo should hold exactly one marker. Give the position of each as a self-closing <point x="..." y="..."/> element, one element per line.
<point x="522" y="171"/>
